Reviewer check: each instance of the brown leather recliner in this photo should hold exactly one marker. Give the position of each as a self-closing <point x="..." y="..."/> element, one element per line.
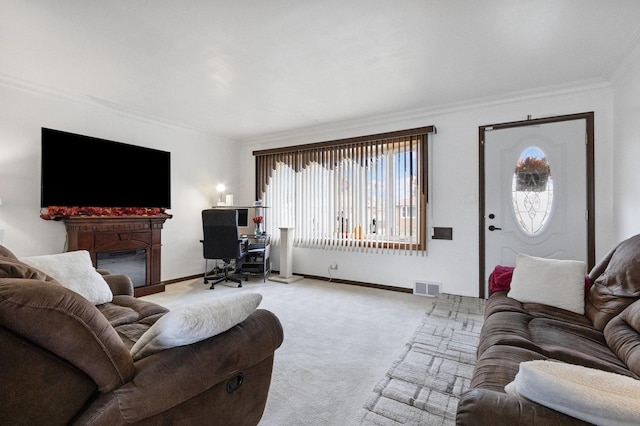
<point x="66" y="361"/>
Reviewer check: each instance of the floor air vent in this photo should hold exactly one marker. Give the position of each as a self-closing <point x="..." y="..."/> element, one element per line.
<point x="425" y="288"/>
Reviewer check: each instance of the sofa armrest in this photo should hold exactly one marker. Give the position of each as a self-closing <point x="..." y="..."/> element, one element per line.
<point x="170" y="378"/>
<point x="119" y="284"/>
<point x="487" y="407"/>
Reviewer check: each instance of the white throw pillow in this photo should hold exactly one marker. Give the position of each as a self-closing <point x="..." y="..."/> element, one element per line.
<point x="595" y="396"/>
<point x="74" y="271"/>
<point x="553" y="282"/>
<point x="195" y="322"/>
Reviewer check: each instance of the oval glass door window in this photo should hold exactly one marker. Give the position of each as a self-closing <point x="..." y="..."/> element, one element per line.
<point x="532" y="191"/>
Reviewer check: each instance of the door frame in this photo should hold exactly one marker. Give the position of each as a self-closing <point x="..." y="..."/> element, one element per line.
<point x="590" y="181"/>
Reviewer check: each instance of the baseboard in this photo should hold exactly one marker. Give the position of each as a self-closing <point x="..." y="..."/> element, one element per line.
<point x="177" y="280"/>
<point x="360" y="283"/>
<point x="314" y="277"/>
<point x="146" y="290"/>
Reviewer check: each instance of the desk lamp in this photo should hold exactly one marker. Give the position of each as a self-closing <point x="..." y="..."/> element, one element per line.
<point x="220" y="188"/>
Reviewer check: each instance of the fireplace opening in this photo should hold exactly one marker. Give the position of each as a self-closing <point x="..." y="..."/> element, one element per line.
<point x="129" y="262"/>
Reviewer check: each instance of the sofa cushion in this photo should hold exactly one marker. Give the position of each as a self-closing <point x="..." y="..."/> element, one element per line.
<point x="617" y="286"/>
<point x="117" y="315"/>
<point x="74" y="271"/>
<point x="499" y="302"/>
<point x="131" y="317"/>
<point x="575" y="344"/>
<point x="588" y="394"/>
<point x="143" y="308"/>
<point x="498" y="365"/>
<point x="623" y="336"/>
<point x="126" y="309"/>
<point x="553" y="282"/>
<point x="131" y="333"/>
<point x="507" y="328"/>
<point x="548" y="331"/>
<point x="195" y="322"/>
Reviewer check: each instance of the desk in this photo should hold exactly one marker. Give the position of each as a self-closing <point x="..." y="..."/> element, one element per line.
<point x="258" y="258"/>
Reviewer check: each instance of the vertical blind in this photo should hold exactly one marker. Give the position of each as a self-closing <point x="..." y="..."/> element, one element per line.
<point x="360" y="194"/>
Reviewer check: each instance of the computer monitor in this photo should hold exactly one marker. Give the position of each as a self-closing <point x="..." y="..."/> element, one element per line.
<point x="243" y="217"/>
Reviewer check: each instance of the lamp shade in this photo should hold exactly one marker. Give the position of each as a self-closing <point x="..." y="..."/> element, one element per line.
<point x="220" y="188"/>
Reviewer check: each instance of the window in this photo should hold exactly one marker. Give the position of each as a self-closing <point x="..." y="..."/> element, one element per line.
<point x="532" y="191"/>
<point x="408" y="212"/>
<point x="367" y="193"/>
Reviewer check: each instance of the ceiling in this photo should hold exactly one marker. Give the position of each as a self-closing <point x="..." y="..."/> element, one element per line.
<point x="244" y="69"/>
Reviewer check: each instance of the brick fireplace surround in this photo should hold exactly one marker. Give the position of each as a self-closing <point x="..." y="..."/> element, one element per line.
<point x="98" y="234"/>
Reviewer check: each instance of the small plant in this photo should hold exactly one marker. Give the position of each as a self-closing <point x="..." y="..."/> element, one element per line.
<point x="532" y="174"/>
<point x="258" y="219"/>
<point x="533" y="165"/>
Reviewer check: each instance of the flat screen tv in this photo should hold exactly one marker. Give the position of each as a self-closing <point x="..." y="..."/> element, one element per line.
<point x="86" y="171"/>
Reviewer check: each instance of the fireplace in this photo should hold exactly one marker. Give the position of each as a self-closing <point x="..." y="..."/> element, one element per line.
<point x="128" y="244"/>
<point x="132" y="263"/>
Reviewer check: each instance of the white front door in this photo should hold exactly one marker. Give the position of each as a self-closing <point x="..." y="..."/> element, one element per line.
<point x="535" y="193"/>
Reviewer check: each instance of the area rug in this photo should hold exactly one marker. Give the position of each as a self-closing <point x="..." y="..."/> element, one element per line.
<point x="423" y="386"/>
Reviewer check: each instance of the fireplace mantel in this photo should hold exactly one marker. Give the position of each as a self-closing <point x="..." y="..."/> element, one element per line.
<point x="111" y="233"/>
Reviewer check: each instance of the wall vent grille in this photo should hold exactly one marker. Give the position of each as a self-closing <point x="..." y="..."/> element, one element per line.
<point x="426" y="288"/>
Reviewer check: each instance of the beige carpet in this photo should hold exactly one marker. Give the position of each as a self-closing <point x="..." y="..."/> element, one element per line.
<point x="340" y="340"/>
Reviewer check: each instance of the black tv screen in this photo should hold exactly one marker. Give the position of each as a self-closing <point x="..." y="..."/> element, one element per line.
<point x="85" y="171"/>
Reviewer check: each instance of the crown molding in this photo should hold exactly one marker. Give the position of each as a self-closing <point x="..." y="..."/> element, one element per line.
<point x="629" y="58"/>
<point x="385" y="121"/>
<point x="381" y="122"/>
<point x="87" y="100"/>
<point x="35" y="89"/>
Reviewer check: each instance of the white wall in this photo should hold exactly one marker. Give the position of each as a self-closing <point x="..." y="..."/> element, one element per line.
<point x="626" y="159"/>
<point x="199" y="162"/>
<point x="454" y="195"/>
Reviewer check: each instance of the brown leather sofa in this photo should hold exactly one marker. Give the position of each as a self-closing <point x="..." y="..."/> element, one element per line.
<point x="607" y="337"/>
<point x="65" y="361"/>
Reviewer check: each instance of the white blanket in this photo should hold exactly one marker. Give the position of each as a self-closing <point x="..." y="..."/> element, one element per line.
<point x="588" y="394"/>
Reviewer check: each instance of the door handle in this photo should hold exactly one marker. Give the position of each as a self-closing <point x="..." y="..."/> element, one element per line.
<point x="494" y="228"/>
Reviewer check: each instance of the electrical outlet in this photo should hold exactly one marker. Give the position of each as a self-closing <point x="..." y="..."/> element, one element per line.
<point x="334" y="265"/>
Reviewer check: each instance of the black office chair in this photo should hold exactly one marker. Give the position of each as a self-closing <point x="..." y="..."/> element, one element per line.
<point x="222" y="242"/>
